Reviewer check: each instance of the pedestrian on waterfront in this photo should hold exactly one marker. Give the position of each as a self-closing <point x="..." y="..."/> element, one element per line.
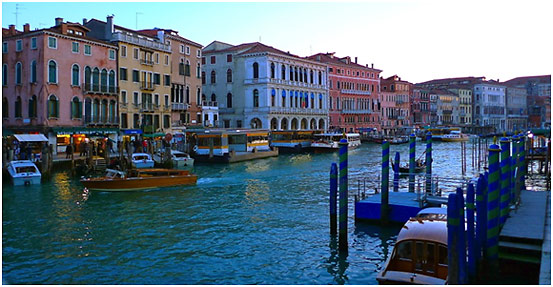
<point x="110" y="145"/>
<point x="82" y="148"/>
<point x="145" y="146"/>
<point x="68" y="151"/>
<point x="119" y="146"/>
<point x="86" y="149"/>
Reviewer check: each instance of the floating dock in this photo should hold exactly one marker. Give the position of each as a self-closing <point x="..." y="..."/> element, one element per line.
<point x="403" y="205"/>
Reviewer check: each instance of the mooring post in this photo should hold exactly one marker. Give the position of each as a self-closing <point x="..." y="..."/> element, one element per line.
<point x="522" y="159"/>
<point x="333" y="197"/>
<point x="471" y="246"/>
<point x="384" y="183"/>
<point x="429" y="163"/>
<point x="514" y="164"/>
<point x="396" y="172"/>
<point x="462" y="243"/>
<point x="412" y="165"/>
<point x="505" y="166"/>
<point x="481" y="220"/>
<point x="452" y="239"/>
<point x="343" y="221"/>
<point x="493" y="210"/>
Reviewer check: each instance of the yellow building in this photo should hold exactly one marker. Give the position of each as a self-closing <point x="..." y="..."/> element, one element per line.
<point x="465" y="103"/>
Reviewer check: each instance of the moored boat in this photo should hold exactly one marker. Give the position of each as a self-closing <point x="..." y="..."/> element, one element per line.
<point x="291" y="141"/>
<point x="399" y="140"/>
<point x="142" y="160"/>
<point x="455" y="136"/>
<point x="139" y="179"/>
<point x="24" y="172"/>
<point x="420" y="252"/>
<point x="328" y="142"/>
<point x="180" y="159"/>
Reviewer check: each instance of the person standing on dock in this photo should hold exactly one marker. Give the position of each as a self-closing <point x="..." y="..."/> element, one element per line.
<point x="68" y="151"/>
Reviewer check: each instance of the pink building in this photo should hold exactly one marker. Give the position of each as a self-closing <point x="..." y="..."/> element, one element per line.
<point x="395" y="100"/>
<point x="59" y="82"/>
<point x="354" y="103"/>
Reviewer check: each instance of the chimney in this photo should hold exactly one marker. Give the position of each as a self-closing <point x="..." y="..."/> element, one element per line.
<point x="59" y="21"/>
<point x="26" y="28"/>
<point x="372" y="66"/>
<point x="84" y="21"/>
<point x="12" y="29"/>
<point x="355" y="60"/>
<point x="109" y="27"/>
<point x="64" y="28"/>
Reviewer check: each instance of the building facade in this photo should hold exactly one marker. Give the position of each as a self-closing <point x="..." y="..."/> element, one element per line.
<point x="420" y="106"/>
<point x="464" y="96"/>
<point x="395" y="96"/>
<point x="144" y="77"/>
<point x="489" y="105"/>
<point x="447" y="107"/>
<point x="60" y="82"/>
<point x="516" y="108"/>
<point x="258" y="86"/>
<point x="538" y="90"/>
<point x="354" y="103"/>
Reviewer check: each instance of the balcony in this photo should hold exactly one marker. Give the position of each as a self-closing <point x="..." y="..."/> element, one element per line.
<point x="103" y="120"/>
<point x="147" y="86"/>
<point x="355" y="92"/>
<point x="89" y="88"/>
<point x="146" y="107"/>
<point x="348" y="111"/>
<point x="287" y="111"/>
<point x="146" y="62"/>
<point x="145" y="42"/>
<point x="180" y="106"/>
<point x="209" y="104"/>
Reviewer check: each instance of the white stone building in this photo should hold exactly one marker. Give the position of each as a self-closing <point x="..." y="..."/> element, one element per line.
<point x="489" y="105"/>
<point x="258" y="86"/>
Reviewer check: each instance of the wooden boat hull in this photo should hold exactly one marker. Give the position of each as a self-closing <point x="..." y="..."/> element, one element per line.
<point x="463" y="139"/>
<point x="137" y="183"/>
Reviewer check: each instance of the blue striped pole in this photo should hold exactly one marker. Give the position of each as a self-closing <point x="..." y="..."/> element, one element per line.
<point x="333" y="197"/>
<point x="462" y="243"/>
<point x="396" y="172"/>
<point x="505" y="167"/>
<point x="384" y="183"/>
<point x="429" y="163"/>
<point x="343" y="217"/>
<point x="471" y="241"/>
<point x="452" y="238"/>
<point x="492" y="247"/>
<point x="412" y="146"/>
<point x="514" y="163"/>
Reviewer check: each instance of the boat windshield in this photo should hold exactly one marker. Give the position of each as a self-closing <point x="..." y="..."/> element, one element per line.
<point x="23" y="169"/>
<point x="180" y="155"/>
<point x="141" y="157"/>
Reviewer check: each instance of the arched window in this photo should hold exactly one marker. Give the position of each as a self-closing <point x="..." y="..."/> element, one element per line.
<point x="213" y="77"/>
<point x="213" y="98"/>
<point x="104" y="80"/>
<point x="4" y="75"/>
<point x="320" y="78"/>
<point x="96" y="111"/>
<point x="111" y="81"/>
<point x="273" y="98"/>
<point x="96" y="79"/>
<point x="198" y="93"/>
<point x="104" y="112"/>
<point x="87" y="78"/>
<point x="198" y="70"/>
<point x="87" y="110"/>
<point x="187" y="94"/>
<point x="229" y="76"/>
<point x="203" y="78"/>
<point x="229" y="100"/>
<point x="187" y="68"/>
<point x="311" y="77"/>
<point x="5" y="108"/>
<point x="255" y="98"/>
<point x="283" y="72"/>
<point x="301" y="74"/>
<point x="75" y="75"/>
<point x="295" y="74"/>
<point x="255" y="70"/>
<point x="32" y="107"/>
<point x="283" y="98"/>
<point x="18" y="107"/>
<point x="111" y="115"/>
<point x="52" y="72"/>
<point x="33" y="72"/>
<point x="18" y="74"/>
<point x="291" y="74"/>
<point x="53" y="107"/>
<point x="272" y="70"/>
<point x="76" y="108"/>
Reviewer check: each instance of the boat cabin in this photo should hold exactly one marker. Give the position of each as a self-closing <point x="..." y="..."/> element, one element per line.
<point x="219" y="142"/>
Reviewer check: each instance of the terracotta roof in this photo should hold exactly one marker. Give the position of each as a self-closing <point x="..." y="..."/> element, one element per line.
<point x="545" y="79"/>
<point x="453" y="81"/>
<point x="57" y="30"/>
<point x="329" y="58"/>
<point x="442" y="92"/>
<point x="153" y="33"/>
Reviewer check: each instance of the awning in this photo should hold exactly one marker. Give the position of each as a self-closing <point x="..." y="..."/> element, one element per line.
<point x="154" y="135"/>
<point x="31" y="138"/>
<point x="83" y="130"/>
<point x="132" y="132"/>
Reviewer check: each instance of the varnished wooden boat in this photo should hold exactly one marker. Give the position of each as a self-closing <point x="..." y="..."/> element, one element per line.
<point x="420" y="252"/>
<point x="139" y="179"/>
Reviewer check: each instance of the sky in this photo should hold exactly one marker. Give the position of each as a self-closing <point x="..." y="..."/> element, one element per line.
<point x="418" y="40"/>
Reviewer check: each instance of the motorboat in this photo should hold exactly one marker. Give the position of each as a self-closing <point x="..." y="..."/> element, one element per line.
<point x="142" y="160"/>
<point x="420" y="252"/>
<point x="180" y="159"/>
<point x="455" y="136"/>
<point x="328" y="142"/>
<point x="24" y="172"/>
<point x="399" y="140"/>
<point x="139" y="179"/>
<point x="404" y="169"/>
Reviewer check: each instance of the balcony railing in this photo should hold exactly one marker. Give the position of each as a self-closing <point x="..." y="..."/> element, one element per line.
<point x="120" y="36"/>
<point x="147" y="107"/>
<point x="351" y="111"/>
<point x="101" y="120"/>
<point x="209" y="104"/>
<point x="148" y="86"/>
<point x="89" y="88"/>
<point x="287" y="110"/>
<point x="180" y="106"/>
<point x="355" y="92"/>
<point x="146" y="62"/>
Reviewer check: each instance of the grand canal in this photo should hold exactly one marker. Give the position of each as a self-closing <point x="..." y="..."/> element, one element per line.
<point x="257" y="222"/>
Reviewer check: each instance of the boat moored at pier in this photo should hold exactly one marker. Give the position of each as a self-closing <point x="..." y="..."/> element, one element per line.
<point x="292" y="141"/>
<point x="180" y="159"/>
<point x="142" y="160"/>
<point x="328" y="142"/>
<point x="24" y="172"/>
<point x="455" y="136"/>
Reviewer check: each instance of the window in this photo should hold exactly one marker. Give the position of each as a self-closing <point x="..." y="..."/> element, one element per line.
<point x="18" y="107"/>
<point x="167" y="80"/>
<point x="213" y="98"/>
<point x="181" y="68"/>
<point x="111" y="54"/>
<point x="111" y="81"/>
<point x="123" y="74"/>
<point x="166" y="121"/>
<point x="5" y="47"/>
<point x="229" y="100"/>
<point x="166" y="60"/>
<point x="187" y="68"/>
<point x="156" y="57"/>
<point x="123" y="51"/>
<point x="166" y="101"/>
<point x="181" y="49"/>
<point x="33" y="72"/>
<point x="272" y="70"/>
<point x="124" y="97"/>
<point x="18" y="45"/>
<point x="18" y="73"/>
<point x="256" y="98"/>
<point x="52" y="72"/>
<point x="87" y="50"/>
<point x="135" y="76"/>
<point x="203" y="60"/>
<point x="32" y="107"/>
<point x="212" y="59"/>
<point x="75" y="47"/>
<point x="53" y="107"/>
<point x="203" y="78"/>
<point x="198" y="68"/>
<point x="187" y="50"/>
<point x="198" y="53"/>
<point x="5" y="108"/>
<point x="255" y="70"/>
<point x="135" y="98"/>
<point x="76" y="108"/>
<point x="213" y="78"/>
<point x="136" y="121"/>
<point x="157" y="79"/>
<point x="229" y="76"/>
<point x="229" y="58"/>
<point x="52" y="43"/>
<point x="75" y="75"/>
<point x="135" y="53"/>
<point x="283" y="72"/>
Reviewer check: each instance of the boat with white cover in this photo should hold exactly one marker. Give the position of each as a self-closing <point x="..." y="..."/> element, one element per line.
<point x="24" y="172"/>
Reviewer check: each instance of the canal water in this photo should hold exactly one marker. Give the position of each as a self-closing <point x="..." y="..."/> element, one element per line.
<point x="256" y="222"/>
